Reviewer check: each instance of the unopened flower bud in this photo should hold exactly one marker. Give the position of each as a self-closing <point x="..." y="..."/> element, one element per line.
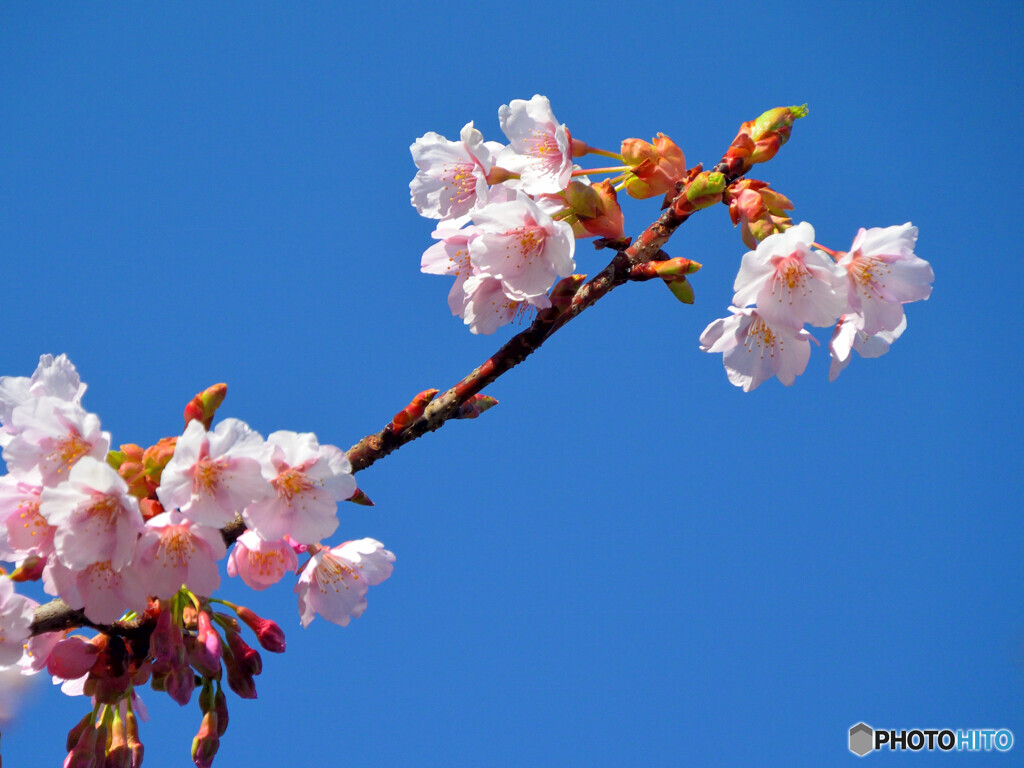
<point x="476" y="405"/>
<point x="220" y="705"/>
<point x="360" y="498"/>
<point x="565" y="290"/>
<point x="31" y="569"/>
<point x="654" y="168"/>
<point x="682" y="289"/>
<point x="759" y="140"/>
<point x="83" y="753"/>
<point x="598" y="211"/>
<point x="268" y="633"/>
<point x="155" y="459"/>
<point x="132" y="734"/>
<point x="246" y="657"/>
<point x="206" y="741"/>
<point x="76" y="733"/>
<point x="206" y="654"/>
<point x="412" y="411"/>
<point x="128" y="463"/>
<point x="118" y="753"/>
<point x="179" y="684"/>
<point x="204" y="405"/>
<point x="705" y="189"/>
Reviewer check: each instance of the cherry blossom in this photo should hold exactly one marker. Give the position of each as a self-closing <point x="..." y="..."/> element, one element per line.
<point x="174" y="551"/>
<point x="308" y="480"/>
<point x="522" y="246"/>
<point x="53" y="377"/>
<point x="884" y="274"/>
<point x="26" y="530"/>
<point x="15" y="619"/>
<point x="335" y="581"/>
<point x="105" y="594"/>
<point x="540" y="149"/>
<point x="452" y="175"/>
<point x="791" y="283"/>
<point x="450" y="256"/>
<point x="213" y="475"/>
<point x="753" y="350"/>
<point x="486" y="307"/>
<point x="849" y="335"/>
<point x="51" y="435"/>
<point x="95" y="517"/>
<point x="261" y="563"/>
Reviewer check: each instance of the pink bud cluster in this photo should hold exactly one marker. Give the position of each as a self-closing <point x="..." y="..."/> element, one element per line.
<point x="789" y="281"/>
<point x="135" y="536"/>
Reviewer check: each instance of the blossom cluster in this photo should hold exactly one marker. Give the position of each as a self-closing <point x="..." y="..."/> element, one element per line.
<point x="509" y="214"/>
<point x="137" y="535"/>
<point x="788" y="281"/>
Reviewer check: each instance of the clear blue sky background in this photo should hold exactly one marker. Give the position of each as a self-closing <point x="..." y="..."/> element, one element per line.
<point x="628" y="562"/>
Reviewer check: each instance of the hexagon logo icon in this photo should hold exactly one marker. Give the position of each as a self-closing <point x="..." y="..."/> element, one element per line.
<point x="862" y="739"/>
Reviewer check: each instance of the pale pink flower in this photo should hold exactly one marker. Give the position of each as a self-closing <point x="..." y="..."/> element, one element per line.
<point x="103" y="593"/>
<point x="452" y="176"/>
<point x="53" y="377"/>
<point x="791" y="283"/>
<point x="753" y="351"/>
<point x="450" y="256"/>
<point x="308" y="480"/>
<point x="540" y="149"/>
<point x="174" y="551"/>
<point x="51" y="435"/>
<point x="849" y="335"/>
<point x="522" y="246"/>
<point x="22" y="527"/>
<point x="884" y="274"/>
<point x="261" y="563"/>
<point x="335" y="581"/>
<point x="213" y="475"/>
<point x="15" y="619"/>
<point x="486" y="307"/>
<point x="95" y="517"/>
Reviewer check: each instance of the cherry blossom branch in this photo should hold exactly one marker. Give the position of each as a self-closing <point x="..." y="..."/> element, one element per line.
<point x="647" y="247"/>
<point x="57" y="615"/>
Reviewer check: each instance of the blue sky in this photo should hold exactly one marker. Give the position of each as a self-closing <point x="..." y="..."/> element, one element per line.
<point x="628" y="562"/>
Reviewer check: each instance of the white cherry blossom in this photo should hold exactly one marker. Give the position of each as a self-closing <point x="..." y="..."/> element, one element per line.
<point x="309" y="480"/>
<point x="790" y="283"/>
<point x="753" y="350"/>
<point x="174" y="551"/>
<point x="522" y="246"/>
<point x="51" y="435"/>
<point x="884" y="274"/>
<point x="452" y="175"/>
<point x="540" y="149"/>
<point x="95" y="517"/>
<point x="849" y="335"/>
<point x="335" y="581"/>
<point x="212" y="476"/>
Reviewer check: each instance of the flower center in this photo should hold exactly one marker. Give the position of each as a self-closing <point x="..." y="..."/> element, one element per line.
<point x="869" y="274"/>
<point x="461" y="178"/>
<point x="332" y="570"/>
<point x="67" y="451"/>
<point x="762" y="337"/>
<point x="176" y="545"/>
<point x="291" y="482"/>
<point x="542" y="145"/>
<point x="206" y="475"/>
